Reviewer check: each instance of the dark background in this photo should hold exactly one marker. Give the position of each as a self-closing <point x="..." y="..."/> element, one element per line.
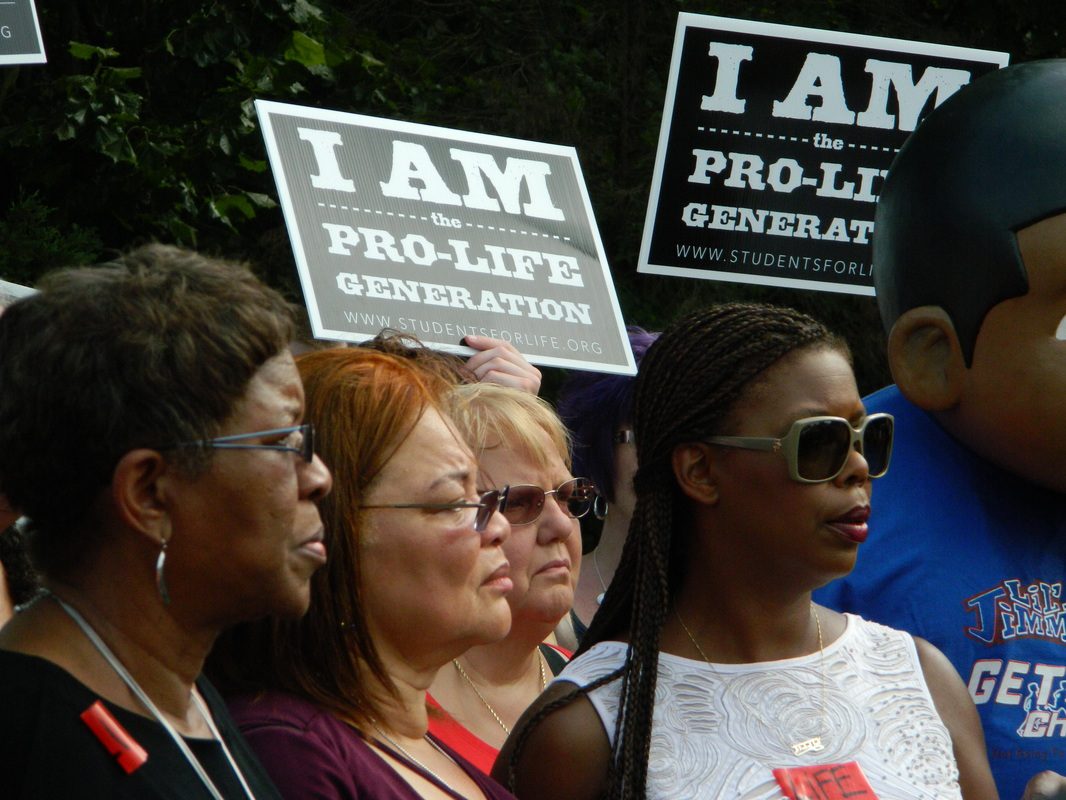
<point x="141" y="125"/>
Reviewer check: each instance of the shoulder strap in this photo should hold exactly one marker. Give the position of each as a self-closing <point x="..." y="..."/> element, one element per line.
<point x="555" y="657"/>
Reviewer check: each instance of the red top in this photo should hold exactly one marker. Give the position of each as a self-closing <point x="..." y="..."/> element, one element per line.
<point x="444" y="727"/>
<point x="474" y="749"/>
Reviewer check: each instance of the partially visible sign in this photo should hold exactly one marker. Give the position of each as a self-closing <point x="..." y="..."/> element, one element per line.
<point x="774" y="143"/>
<point x="20" y="33"/>
<point x="10" y="292"/>
<point x="442" y="234"/>
<point x="825" y="782"/>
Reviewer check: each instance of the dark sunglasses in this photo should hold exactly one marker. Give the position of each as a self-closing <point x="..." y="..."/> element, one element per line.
<point x="817" y="448"/>
<point x="488" y="503"/>
<point x="299" y="439"/>
<point x="525" y="502"/>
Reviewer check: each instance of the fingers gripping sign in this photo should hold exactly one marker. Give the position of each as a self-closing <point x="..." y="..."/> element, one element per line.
<point x="498" y="361"/>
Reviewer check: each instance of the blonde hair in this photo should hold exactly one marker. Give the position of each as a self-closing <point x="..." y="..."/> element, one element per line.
<point x="490" y="416"/>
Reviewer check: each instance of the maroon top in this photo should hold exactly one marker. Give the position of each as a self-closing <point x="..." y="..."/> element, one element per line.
<point x="312" y="755"/>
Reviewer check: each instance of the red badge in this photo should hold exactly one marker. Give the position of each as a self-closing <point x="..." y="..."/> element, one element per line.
<point x="114" y="737"/>
<point x="825" y="782"/>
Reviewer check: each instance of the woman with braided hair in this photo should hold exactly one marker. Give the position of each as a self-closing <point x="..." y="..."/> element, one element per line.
<point x="708" y="672"/>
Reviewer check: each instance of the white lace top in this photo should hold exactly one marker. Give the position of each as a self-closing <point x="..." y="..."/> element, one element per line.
<point x="719" y="730"/>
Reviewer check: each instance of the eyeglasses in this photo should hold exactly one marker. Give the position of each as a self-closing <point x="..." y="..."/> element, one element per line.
<point x="817" y="448"/>
<point x="488" y="503"/>
<point x="624" y="436"/>
<point x="299" y="439"/>
<point x="525" y="502"/>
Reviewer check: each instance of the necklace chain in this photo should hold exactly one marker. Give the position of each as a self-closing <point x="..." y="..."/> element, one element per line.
<point x="596" y="566"/>
<point x="146" y="701"/>
<point x="407" y="754"/>
<point x="481" y="697"/>
<point x="812" y="745"/>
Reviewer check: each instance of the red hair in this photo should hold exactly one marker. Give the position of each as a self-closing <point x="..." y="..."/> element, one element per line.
<point x="363" y="405"/>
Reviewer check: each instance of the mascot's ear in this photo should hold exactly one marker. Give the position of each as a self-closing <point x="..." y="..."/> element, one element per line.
<point x="926" y="359"/>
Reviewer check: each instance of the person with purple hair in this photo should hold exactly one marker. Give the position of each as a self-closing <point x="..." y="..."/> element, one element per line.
<point x="598" y="408"/>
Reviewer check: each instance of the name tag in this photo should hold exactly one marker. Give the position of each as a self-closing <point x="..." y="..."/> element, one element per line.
<point x="825" y="782"/>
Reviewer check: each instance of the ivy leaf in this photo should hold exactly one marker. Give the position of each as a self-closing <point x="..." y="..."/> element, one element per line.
<point x="227" y="205"/>
<point x="85" y="52"/>
<point x="261" y="200"/>
<point x="305" y="50"/>
<point x="125" y="73"/>
<point x="65" y="131"/>
<point x="253" y="165"/>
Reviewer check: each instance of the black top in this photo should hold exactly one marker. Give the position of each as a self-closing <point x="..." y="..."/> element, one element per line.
<point x="47" y="752"/>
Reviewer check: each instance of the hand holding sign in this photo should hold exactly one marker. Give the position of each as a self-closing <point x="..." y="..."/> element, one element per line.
<point x="498" y="361"/>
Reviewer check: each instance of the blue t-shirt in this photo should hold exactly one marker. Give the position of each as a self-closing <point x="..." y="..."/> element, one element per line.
<point x="973" y="559"/>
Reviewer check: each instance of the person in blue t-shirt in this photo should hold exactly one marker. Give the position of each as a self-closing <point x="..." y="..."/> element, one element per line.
<point x="968" y="543"/>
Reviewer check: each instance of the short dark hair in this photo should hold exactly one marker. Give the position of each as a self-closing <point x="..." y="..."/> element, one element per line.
<point x="594" y="406"/>
<point x="151" y="349"/>
<point x="984" y="165"/>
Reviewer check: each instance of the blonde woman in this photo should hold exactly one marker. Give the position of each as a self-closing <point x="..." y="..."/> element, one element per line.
<point x="520" y="443"/>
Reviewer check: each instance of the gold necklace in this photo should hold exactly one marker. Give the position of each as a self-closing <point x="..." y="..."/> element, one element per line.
<point x="403" y="750"/>
<point x="812" y="745"/>
<point x="481" y="697"/>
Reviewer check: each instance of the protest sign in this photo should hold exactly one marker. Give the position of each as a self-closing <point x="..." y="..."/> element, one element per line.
<point x="774" y="143"/>
<point x="20" y="33"/>
<point x="442" y="234"/>
<point x="10" y="292"/>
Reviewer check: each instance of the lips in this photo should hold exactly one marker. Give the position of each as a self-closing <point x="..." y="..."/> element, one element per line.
<point x="558" y="564"/>
<point x="314" y="547"/>
<point x="852" y="525"/>
<point x="500" y="578"/>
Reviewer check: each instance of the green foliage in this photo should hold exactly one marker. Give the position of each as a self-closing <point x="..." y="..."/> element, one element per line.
<point x="142" y="125"/>
<point x="34" y="238"/>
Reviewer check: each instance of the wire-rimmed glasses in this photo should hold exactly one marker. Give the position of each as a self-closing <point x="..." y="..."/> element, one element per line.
<point x="525" y="501"/>
<point x="299" y="439"/>
<point x="488" y="503"/>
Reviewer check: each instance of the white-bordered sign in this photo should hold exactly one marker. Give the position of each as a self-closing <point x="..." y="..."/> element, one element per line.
<point x="10" y="292"/>
<point x="774" y="143"/>
<point x="442" y="234"/>
<point x="20" y="33"/>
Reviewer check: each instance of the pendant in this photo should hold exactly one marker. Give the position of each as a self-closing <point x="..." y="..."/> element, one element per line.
<point x="812" y="745"/>
<point x="599" y="598"/>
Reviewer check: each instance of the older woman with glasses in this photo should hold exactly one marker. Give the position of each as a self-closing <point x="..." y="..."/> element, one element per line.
<point x="708" y="671"/>
<point x="125" y="393"/>
<point x="521" y="443"/>
<point x="335" y="704"/>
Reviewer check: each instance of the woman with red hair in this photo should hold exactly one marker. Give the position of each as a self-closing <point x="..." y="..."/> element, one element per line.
<point x="335" y="703"/>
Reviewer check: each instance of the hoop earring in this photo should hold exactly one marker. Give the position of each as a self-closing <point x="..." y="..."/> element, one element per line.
<point x="600" y="507"/>
<point x="160" y="579"/>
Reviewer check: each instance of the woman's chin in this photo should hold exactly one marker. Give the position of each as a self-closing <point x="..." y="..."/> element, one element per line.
<point x="495" y="623"/>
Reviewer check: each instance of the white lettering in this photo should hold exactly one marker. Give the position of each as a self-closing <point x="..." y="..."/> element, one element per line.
<point x="910" y="96"/>
<point x="819" y="77"/>
<point x="324" y="145"/>
<point x="411" y="162"/>
<point x="508" y="184"/>
<point x="730" y="57"/>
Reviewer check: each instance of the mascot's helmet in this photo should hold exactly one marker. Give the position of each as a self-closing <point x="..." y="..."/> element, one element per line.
<point x="990" y="161"/>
